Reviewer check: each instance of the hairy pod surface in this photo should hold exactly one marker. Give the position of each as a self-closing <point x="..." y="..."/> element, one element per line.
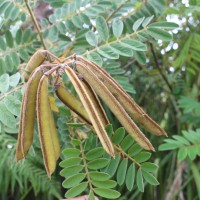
<point x="35" y="61"/>
<point x="72" y="102"/>
<point x="44" y="128"/>
<point x="96" y="102"/>
<point x="27" y="115"/>
<point x="54" y="133"/>
<point x="114" y="105"/>
<point x="91" y="110"/>
<point x="126" y="101"/>
<point x="19" y="153"/>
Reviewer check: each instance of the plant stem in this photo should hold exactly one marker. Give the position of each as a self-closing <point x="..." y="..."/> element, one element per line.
<point x="126" y="155"/>
<point x="115" y="11"/>
<point x="85" y="166"/>
<point x="159" y="69"/>
<point x="11" y="91"/>
<point x="35" y="23"/>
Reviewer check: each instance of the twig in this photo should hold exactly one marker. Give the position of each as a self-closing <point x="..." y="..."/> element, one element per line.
<point x="11" y="91"/>
<point x="159" y="69"/>
<point x="128" y="64"/>
<point x="173" y="99"/>
<point x="35" y="23"/>
<point x="115" y="11"/>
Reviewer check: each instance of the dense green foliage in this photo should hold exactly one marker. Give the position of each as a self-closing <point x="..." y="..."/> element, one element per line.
<point x="155" y="60"/>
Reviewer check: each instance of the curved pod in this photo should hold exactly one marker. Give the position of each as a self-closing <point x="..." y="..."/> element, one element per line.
<point x="27" y="115"/>
<point x="44" y="128"/>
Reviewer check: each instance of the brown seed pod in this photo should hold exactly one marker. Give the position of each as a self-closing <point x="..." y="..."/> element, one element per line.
<point x="44" y="127"/>
<point x="114" y="105"/>
<point x="92" y="112"/>
<point x="35" y="61"/>
<point x="71" y="102"/>
<point x="27" y="115"/>
<point x="125" y="100"/>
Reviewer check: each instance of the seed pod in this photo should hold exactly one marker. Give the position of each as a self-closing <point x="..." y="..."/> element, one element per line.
<point x="44" y="127"/>
<point x="95" y="101"/>
<point x="54" y="134"/>
<point x="19" y="153"/>
<point x="27" y="115"/>
<point x="92" y="112"/>
<point x="125" y="100"/>
<point x="72" y="102"/>
<point x="114" y="105"/>
<point x="35" y="61"/>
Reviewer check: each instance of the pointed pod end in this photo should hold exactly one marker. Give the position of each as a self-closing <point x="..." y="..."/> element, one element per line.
<point x="49" y="175"/>
<point x="153" y="149"/>
<point x="19" y="156"/>
<point x="113" y="155"/>
<point x="165" y="134"/>
<point x="149" y="147"/>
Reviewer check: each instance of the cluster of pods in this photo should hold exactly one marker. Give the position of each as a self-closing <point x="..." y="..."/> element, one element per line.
<point x="90" y="82"/>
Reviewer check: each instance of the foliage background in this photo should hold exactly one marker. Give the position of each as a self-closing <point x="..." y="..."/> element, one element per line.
<point x="166" y="84"/>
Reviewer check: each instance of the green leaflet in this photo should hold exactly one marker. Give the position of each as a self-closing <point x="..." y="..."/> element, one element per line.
<point x="9" y="39"/>
<point x="138" y="23"/>
<point x="140" y="57"/>
<point x="19" y="34"/>
<point x="147" y="21"/>
<point x="70" y="162"/>
<point x="130" y="177"/>
<point x="118" y="135"/>
<point x="102" y="28"/>
<point x="127" y="142"/>
<point x="6" y="117"/>
<point x="149" y="167"/>
<point x="121" y="173"/>
<point x="135" y="149"/>
<point x="142" y="157"/>
<point x="9" y="63"/>
<point x="73" y="180"/>
<point x="107" y="193"/>
<point x="2" y="44"/>
<point x="13" y="105"/>
<point x="4" y="83"/>
<point x="164" y="25"/>
<point x="77" y="22"/>
<point x="150" y="178"/>
<point x="107" y="52"/>
<point x="14" y="79"/>
<point x="69" y="171"/>
<point x="113" y="165"/>
<point x="95" y="153"/>
<point x="100" y="176"/>
<point x="98" y="163"/>
<point x="121" y="50"/>
<point x="95" y="57"/>
<point x="71" y="152"/>
<point x="104" y="184"/>
<point x="159" y="34"/>
<point x="91" y="38"/>
<point x="134" y="45"/>
<point x="117" y="27"/>
<point x="73" y="192"/>
<point x="139" y="180"/>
